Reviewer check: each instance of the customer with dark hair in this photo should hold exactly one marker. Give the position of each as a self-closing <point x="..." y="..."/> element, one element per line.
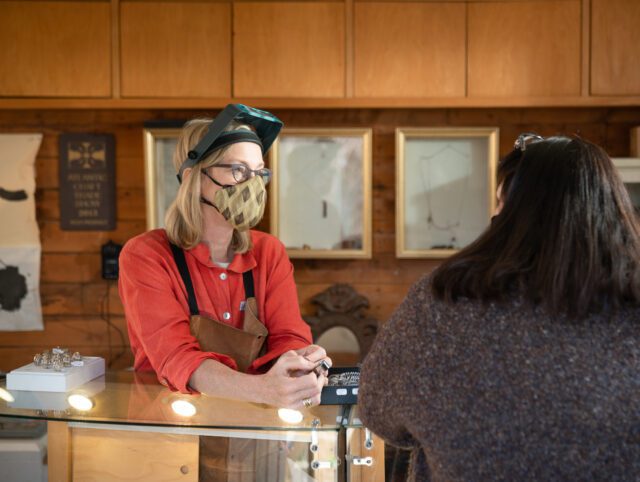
<point x="519" y="358"/>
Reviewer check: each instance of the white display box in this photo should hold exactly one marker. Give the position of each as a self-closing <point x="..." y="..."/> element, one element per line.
<point x="38" y="379"/>
<point x="54" y="400"/>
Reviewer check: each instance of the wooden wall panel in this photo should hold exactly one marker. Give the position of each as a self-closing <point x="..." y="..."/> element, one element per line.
<point x="410" y="49"/>
<point x="55" y="49"/>
<point x="286" y="49"/>
<point x="528" y="48"/>
<point x="175" y="49"/>
<point x="84" y="312"/>
<point x="615" y="52"/>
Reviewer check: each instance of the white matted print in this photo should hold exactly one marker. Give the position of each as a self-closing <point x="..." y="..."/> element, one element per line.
<point x="629" y="171"/>
<point x="321" y="192"/>
<point x="20" y="308"/>
<point x="445" y="188"/>
<point x="161" y="183"/>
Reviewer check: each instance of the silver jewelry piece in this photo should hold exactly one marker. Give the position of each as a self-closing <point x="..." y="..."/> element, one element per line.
<point x="344" y="379"/>
<point x="76" y="360"/>
<point x="58" y="365"/>
<point x="57" y="358"/>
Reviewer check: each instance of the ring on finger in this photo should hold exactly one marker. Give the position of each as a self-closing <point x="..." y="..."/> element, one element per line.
<point x="307" y="402"/>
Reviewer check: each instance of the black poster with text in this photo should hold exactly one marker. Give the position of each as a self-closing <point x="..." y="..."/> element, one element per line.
<point x="87" y="182"/>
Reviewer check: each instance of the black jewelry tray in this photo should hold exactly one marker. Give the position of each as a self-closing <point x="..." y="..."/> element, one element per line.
<point x="343" y="386"/>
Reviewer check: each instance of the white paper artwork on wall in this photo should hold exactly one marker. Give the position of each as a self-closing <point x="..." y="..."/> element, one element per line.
<point x="446" y="180"/>
<point x="20" y="308"/>
<point x="322" y="181"/>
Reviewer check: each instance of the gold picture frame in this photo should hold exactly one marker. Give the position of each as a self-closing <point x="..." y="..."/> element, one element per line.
<point x="161" y="184"/>
<point x="629" y="171"/>
<point x="320" y="194"/>
<point x="449" y="198"/>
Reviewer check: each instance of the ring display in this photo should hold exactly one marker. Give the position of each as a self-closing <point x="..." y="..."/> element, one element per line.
<point x="342" y="386"/>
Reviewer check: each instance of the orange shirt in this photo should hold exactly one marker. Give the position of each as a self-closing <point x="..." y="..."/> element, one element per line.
<point x="155" y="303"/>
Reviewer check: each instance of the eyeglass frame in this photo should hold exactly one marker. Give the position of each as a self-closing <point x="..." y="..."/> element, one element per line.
<point x="257" y="172"/>
<point x="525" y="139"/>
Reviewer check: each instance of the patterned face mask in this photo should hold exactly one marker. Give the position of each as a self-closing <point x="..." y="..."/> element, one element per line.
<point x="242" y="205"/>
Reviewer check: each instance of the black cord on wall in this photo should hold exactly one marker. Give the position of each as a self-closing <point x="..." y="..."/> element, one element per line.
<point x="105" y="314"/>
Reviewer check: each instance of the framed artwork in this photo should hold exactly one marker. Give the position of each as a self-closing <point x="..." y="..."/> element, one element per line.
<point x="445" y="188"/>
<point x="629" y="170"/>
<point x="320" y="194"/>
<point x="161" y="184"/>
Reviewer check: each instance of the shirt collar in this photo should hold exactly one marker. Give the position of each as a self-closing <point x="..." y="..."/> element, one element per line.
<point x="239" y="264"/>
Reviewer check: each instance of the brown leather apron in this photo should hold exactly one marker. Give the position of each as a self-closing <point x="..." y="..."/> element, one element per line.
<point x="224" y="459"/>
<point x="243" y="345"/>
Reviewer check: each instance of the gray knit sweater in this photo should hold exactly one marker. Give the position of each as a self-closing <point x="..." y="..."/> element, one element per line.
<point x="503" y="391"/>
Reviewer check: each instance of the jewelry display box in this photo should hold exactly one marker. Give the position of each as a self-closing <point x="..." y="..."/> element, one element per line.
<point x="342" y="388"/>
<point x="41" y="379"/>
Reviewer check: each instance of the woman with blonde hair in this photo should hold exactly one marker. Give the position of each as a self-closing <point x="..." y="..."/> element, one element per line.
<point x="211" y="305"/>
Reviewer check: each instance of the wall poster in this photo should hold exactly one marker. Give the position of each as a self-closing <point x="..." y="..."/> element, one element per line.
<point x="87" y="182"/>
<point x="20" y="308"/>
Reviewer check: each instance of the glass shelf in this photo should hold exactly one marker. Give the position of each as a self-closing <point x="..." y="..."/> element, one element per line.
<point x="130" y="398"/>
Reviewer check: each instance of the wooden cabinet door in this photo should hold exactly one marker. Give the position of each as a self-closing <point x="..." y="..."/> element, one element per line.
<point x="615" y="47"/>
<point x="118" y="455"/>
<point x="55" y="49"/>
<point x="410" y="49"/>
<point x="175" y="49"/>
<point x="524" y="49"/>
<point x="289" y="49"/>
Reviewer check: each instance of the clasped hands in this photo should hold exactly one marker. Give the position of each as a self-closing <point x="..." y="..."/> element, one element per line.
<point x="296" y="379"/>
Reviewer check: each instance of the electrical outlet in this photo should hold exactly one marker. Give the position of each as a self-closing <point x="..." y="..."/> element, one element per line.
<point x="110" y="255"/>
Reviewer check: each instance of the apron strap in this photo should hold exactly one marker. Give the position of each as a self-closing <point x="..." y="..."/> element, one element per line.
<point x="247" y="279"/>
<point x="181" y="262"/>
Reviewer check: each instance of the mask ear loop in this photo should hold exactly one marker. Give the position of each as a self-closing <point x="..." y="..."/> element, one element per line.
<point x="213" y="180"/>
<point x="204" y="200"/>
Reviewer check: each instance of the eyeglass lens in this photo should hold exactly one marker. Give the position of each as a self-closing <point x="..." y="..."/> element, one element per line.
<point x="242" y="173"/>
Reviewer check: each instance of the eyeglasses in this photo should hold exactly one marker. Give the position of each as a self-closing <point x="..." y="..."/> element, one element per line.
<point x="525" y="139"/>
<point x="241" y="172"/>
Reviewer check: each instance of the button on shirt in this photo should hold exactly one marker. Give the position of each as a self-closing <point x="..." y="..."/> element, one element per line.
<point x="157" y="312"/>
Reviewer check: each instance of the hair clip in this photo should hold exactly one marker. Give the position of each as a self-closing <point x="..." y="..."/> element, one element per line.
<point x="525" y="139"/>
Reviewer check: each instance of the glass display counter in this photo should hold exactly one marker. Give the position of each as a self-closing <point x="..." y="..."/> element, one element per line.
<point x="127" y="426"/>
